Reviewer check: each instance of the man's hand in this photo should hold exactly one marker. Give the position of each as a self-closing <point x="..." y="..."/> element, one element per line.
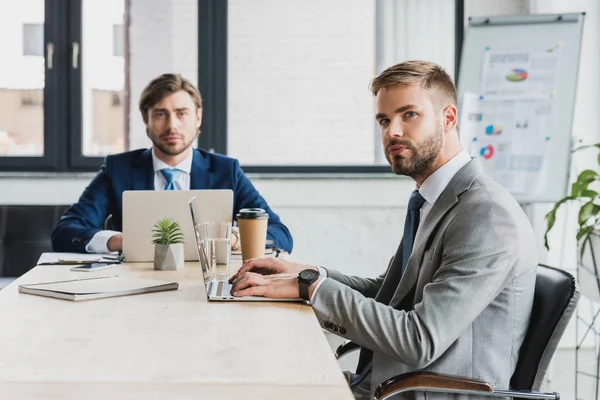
<point x="270" y="266"/>
<point x="115" y="243"/>
<point x="281" y="286"/>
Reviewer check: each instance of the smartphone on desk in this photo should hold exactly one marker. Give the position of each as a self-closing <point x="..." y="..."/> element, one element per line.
<point x="77" y="262"/>
<point x="93" y="267"/>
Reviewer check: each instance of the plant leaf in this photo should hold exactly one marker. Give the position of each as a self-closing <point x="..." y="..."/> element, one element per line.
<point x="587" y="211"/>
<point x="584" y="232"/>
<point x="597" y="145"/>
<point x="167" y="231"/>
<point x="583" y="180"/>
<point x="551" y="218"/>
<point x="589" y="193"/>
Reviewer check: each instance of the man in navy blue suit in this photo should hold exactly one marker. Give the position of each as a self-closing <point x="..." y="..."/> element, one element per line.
<point x="171" y="108"/>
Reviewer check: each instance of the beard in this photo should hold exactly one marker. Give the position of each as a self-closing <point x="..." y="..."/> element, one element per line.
<point x="422" y="155"/>
<point x="171" y="149"/>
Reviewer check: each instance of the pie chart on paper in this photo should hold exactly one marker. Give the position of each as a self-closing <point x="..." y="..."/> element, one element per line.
<point x="493" y="129"/>
<point x="517" y="75"/>
<point x="487" y="152"/>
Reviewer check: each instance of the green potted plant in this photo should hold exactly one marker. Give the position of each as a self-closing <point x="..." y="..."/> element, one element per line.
<point x="589" y="205"/>
<point x="168" y="241"/>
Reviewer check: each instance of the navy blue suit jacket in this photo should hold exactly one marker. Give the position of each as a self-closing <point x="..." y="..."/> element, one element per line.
<point x="134" y="171"/>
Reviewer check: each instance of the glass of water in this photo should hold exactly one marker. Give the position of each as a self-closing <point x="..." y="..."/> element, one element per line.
<point x="216" y="239"/>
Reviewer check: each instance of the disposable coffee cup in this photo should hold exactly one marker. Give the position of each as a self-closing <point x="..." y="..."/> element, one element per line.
<point x="252" y="223"/>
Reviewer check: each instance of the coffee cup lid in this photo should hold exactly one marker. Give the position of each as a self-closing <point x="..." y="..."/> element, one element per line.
<point x="252" y="213"/>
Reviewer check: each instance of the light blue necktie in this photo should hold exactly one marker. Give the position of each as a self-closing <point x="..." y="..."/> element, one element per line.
<point x="170" y="175"/>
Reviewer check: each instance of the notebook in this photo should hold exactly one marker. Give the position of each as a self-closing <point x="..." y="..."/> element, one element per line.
<point x="97" y="287"/>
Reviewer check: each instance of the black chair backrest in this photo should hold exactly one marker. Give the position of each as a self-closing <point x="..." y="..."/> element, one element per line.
<point x="25" y="232"/>
<point x="555" y="299"/>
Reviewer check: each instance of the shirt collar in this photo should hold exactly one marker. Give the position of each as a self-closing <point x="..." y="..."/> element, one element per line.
<point x="185" y="165"/>
<point x="435" y="183"/>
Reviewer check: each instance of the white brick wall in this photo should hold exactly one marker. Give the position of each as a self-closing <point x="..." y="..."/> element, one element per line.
<point x="298" y="81"/>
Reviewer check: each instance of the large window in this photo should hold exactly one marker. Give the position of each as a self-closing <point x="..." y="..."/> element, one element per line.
<point x="61" y="84"/>
<point x="286" y="83"/>
<point x="22" y="79"/>
<point x="103" y="77"/>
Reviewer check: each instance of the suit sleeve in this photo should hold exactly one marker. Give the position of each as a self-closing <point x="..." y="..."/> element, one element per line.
<point x="368" y="287"/>
<point x="246" y="196"/>
<point x="476" y="265"/>
<point x="84" y="219"/>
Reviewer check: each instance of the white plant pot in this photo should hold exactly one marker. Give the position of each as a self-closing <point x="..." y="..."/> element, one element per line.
<point x="168" y="257"/>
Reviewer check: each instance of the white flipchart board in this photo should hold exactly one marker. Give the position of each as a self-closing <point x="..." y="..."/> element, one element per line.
<point x="525" y="34"/>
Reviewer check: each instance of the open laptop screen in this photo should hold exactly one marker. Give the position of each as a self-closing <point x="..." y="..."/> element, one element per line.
<point x="202" y="257"/>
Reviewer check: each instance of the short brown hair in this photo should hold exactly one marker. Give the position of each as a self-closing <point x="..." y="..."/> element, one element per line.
<point x="428" y="75"/>
<point x="163" y="86"/>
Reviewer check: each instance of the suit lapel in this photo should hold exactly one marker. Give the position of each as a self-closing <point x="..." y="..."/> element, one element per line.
<point x="142" y="175"/>
<point x="200" y="177"/>
<point x="460" y="183"/>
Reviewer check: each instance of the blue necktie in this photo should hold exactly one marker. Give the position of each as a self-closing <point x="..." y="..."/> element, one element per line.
<point x="170" y="175"/>
<point x="411" y="224"/>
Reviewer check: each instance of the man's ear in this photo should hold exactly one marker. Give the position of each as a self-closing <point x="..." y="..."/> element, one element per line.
<point x="450" y="118"/>
<point x="198" y="118"/>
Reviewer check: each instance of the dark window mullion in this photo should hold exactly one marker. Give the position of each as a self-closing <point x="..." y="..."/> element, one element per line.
<point x="56" y="109"/>
<point x="459" y="33"/>
<point x="212" y="73"/>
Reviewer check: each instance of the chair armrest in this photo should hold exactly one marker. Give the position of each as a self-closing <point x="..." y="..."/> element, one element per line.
<point x="430" y="381"/>
<point x="345" y="347"/>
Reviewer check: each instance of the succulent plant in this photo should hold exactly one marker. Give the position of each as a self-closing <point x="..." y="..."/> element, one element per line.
<point x="167" y="231"/>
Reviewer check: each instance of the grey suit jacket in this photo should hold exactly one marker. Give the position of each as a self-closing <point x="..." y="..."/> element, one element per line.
<point x="462" y="306"/>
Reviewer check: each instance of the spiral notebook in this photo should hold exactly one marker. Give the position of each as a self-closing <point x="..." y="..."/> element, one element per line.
<point x="97" y="287"/>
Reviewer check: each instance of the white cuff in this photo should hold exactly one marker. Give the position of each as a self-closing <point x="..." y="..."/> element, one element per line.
<point x="323" y="272"/>
<point x="99" y="242"/>
<point x="314" y="293"/>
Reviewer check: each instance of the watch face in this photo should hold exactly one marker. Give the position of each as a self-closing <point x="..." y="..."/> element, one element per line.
<point x="309" y="275"/>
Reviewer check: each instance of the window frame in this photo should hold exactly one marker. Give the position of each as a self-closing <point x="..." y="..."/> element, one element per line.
<point x="212" y="83"/>
<point x="62" y="108"/>
<point x="53" y="99"/>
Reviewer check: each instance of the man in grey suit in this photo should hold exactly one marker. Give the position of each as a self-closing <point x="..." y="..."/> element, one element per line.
<point x="458" y="299"/>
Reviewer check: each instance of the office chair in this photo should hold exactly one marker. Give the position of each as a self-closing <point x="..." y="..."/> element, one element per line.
<point x="25" y="232"/>
<point x="555" y="298"/>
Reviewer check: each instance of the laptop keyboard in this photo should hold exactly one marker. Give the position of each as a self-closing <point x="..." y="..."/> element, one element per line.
<point x="223" y="288"/>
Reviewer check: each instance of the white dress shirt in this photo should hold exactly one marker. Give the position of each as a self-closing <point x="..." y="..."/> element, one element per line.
<point x="182" y="182"/>
<point x="437" y="182"/>
<point x="431" y="190"/>
<point x="99" y="242"/>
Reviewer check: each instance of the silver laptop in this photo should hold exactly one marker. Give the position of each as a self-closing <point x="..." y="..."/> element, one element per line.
<point x="142" y="208"/>
<point x="217" y="290"/>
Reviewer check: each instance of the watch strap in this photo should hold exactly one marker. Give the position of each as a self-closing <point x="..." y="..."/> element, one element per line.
<point x="303" y="287"/>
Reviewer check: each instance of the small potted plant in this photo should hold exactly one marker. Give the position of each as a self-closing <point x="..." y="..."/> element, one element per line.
<point x="168" y="241"/>
<point x="584" y="192"/>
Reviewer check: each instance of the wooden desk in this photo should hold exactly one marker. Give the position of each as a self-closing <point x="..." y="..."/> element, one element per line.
<point x="167" y="345"/>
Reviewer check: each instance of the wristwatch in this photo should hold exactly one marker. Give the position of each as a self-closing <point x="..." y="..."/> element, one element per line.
<point x="306" y="278"/>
